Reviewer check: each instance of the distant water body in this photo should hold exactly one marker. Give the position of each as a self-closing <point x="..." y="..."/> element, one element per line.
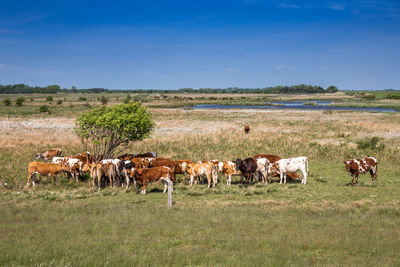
<point x="302" y="105"/>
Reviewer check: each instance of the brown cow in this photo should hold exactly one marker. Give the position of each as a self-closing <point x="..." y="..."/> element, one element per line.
<point x="154" y="174"/>
<point x="98" y="170"/>
<point x="357" y="166"/>
<point x="173" y="165"/>
<point x="49" y="154"/>
<point x="273" y="159"/>
<point x="246" y="129"/>
<point x="42" y="168"/>
<point x="200" y="169"/>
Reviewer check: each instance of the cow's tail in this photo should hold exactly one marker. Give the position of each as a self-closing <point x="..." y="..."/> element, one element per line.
<point x="307" y="164"/>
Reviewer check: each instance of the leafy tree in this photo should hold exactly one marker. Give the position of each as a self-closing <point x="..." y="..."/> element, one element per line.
<point x="107" y="130"/>
<point x="19" y="101"/>
<point x="103" y="100"/>
<point x="7" y="102"/>
<point x="331" y="89"/>
<point x="49" y="98"/>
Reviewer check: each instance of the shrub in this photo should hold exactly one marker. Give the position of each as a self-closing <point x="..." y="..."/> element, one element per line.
<point x="44" y="109"/>
<point x="7" y="102"/>
<point x="19" y="101"/>
<point x="371" y="143"/>
<point x="105" y="130"/>
<point x="127" y="99"/>
<point x="82" y="98"/>
<point x="31" y="99"/>
<point x="103" y="100"/>
<point x="59" y="102"/>
<point x="49" y="98"/>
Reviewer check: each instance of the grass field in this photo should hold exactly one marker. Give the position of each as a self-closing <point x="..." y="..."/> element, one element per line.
<point x="326" y="222"/>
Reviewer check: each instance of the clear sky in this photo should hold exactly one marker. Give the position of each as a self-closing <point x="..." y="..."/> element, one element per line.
<point x="170" y="44"/>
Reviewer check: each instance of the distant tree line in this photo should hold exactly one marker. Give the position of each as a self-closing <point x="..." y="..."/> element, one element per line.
<point x="294" y="89"/>
<point x="26" y="89"/>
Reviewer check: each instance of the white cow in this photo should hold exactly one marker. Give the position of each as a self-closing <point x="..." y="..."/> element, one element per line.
<point x="292" y="165"/>
<point x="262" y="167"/>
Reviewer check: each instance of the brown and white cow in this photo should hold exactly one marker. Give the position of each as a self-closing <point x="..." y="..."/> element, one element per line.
<point x="99" y="169"/>
<point x="199" y="169"/>
<point x="49" y="154"/>
<point x="228" y="169"/>
<point x="146" y="175"/>
<point x="42" y="168"/>
<point x="172" y="164"/>
<point x="291" y="165"/>
<point x="273" y="158"/>
<point x="72" y="165"/>
<point x="357" y="166"/>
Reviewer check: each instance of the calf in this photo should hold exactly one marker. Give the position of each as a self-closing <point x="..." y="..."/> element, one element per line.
<point x="154" y="174"/>
<point x="42" y="168"/>
<point x="262" y="168"/>
<point x="173" y="165"/>
<point x="228" y="168"/>
<point x="248" y="167"/>
<point x="99" y="169"/>
<point x="200" y="169"/>
<point x="49" y="154"/>
<point x="357" y="166"/>
<point x="284" y="166"/>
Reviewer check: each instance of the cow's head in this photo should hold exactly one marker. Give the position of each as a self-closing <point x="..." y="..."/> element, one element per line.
<point x="348" y="164"/>
<point x="273" y="168"/>
<point x="86" y="167"/>
<point x="220" y="166"/>
<point x="38" y="156"/>
<point x="239" y="163"/>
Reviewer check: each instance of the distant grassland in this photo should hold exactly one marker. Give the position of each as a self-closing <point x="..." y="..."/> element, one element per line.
<point x="326" y="222"/>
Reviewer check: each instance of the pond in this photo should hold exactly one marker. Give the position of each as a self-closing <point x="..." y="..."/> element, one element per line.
<point x="303" y="105"/>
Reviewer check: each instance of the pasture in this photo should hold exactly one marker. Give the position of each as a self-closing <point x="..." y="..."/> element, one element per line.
<point x="326" y="222"/>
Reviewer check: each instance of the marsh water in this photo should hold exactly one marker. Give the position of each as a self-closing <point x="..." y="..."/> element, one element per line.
<point x="303" y="105"/>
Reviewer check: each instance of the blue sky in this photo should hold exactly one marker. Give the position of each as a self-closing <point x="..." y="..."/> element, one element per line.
<point x="178" y="44"/>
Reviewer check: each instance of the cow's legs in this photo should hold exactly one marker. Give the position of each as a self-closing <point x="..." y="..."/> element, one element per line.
<point x="228" y="179"/>
<point x="208" y="180"/>
<point x="304" y="180"/>
<point x="52" y="177"/>
<point x="352" y="179"/>
<point x="191" y="180"/>
<point x="281" y="176"/>
<point x="284" y="177"/>
<point x="127" y="180"/>
<point x="357" y="178"/>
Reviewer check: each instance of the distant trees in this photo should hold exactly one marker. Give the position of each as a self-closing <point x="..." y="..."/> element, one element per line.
<point x="331" y="89"/>
<point x="26" y="89"/>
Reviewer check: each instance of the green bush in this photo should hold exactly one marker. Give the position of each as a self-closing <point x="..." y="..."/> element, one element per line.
<point x="44" y="109"/>
<point x="59" y="102"/>
<point x="127" y="99"/>
<point x="103" y="100"/>
<point x="7" y="102"/>
<point x="82" y="98"/>
<point x="49" y="98"/>
<point x="371" y="143"/>
<point x="19" y="101"/>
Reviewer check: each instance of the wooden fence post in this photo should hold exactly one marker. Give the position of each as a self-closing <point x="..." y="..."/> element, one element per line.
<point x="170" y="188"/>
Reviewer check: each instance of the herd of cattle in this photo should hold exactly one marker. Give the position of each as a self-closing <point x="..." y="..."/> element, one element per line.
<point x="147" y="167"/>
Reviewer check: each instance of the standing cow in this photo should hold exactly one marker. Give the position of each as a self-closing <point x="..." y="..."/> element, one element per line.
<point x="248" y="168"/>
<point x="49" y="154"/>
<point x="357" y="166"/>
<point x="285" y="166"/>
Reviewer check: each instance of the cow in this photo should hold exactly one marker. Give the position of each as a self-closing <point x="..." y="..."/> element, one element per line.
<point x="42" y="168"/>
<point x="248" y="167"/>
<point x="73" y="165"/>
<point x="228" y="169"/>
<point x="246" y="129"/>
<point x="272" y="159"/>
<point x="138" y="155"/>
<point x="49" y="154"/>
<point x="357" y="166"/>
<point x="262" y="168"/>
<point x="200" y="169"/>
<point x="98" y="170"/>
<point x="173" y="165"/>
<point x="145" y="175"/>
<point x="123" y="170"/>
<point x="284" y="166"/>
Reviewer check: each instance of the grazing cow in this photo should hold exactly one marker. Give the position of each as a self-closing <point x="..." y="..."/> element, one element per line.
<point x="248" y="167"/>
<point x="73" y="165"/>
<point x="228" y="168"/>
<point x="284" y="166"/>
<point x="272" y="159"/>
<point x="246" y="129"/>
<point x="49" y="154"/>
<point x="42" y="168"/>
<point x="200" y="169"/>
<point x="154" y="174"/>
<point x="357" y="166"/>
